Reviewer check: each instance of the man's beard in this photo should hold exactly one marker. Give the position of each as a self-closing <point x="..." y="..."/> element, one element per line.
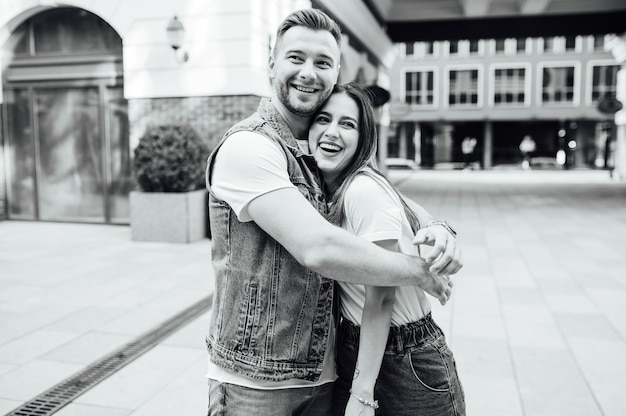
<point x="300" y="109"/>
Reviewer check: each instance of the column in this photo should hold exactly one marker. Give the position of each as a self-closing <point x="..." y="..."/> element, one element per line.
<point x="617" y="44"/>
<point x="488" y="145"/>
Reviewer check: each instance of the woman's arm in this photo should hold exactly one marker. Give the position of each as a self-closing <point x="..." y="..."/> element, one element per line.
<point x="375" y="323"/>
<point x="445" y="257"/>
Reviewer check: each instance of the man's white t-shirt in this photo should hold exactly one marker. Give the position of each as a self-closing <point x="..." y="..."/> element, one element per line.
<point x="374" y="212"/>
<point x="237" y="181"/>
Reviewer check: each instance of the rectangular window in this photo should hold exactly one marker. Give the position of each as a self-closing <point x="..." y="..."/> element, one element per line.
<point x="509" y="87"/>
<point x="558" y="85"/>
<point x="500" y="45"/>
<point x="570" y="43"/>
<point x="604" y="82"/>
<point x="454" y="47"/>
<point x="463" y="88"/>
<point x="598" y="43"/>
<point x="410" y="48"/>
<point x="419" y="88"/>
<point x="473" y="47"/>
<point x="430" y="48"/>
<point x="548" y="44"/>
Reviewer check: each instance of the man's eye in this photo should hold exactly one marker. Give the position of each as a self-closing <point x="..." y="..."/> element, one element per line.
<point x="324" y="64"/>
<point x="294" y="58"/>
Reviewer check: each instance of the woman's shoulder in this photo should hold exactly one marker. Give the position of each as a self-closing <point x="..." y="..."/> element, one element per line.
<point x="368" y="179"/>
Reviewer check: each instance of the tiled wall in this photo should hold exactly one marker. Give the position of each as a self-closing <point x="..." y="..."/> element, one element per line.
<point x="209" y="116"/>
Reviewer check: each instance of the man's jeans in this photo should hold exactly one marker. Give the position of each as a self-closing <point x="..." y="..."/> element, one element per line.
<point x="418" y="374"/>
<point x="232" y="400"/>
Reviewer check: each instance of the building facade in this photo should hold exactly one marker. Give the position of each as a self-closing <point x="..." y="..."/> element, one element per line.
<point x="80" y="83"/>
<point x="560" y="91"/>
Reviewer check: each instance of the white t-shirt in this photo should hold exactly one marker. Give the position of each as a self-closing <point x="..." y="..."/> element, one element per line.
<point x="375" y="213"/>
<point x="247" y="166"/>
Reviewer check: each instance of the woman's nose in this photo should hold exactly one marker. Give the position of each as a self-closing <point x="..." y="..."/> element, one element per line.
<point x="331" y="130"/>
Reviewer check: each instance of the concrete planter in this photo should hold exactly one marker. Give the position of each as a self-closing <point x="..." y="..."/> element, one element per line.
<point x="168" y="217"/>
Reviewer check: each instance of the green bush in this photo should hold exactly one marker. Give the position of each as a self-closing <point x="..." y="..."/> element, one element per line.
<point x="170" y="158"/>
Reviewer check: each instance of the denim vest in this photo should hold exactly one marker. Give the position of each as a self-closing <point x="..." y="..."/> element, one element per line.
<point x="271" y="316"/>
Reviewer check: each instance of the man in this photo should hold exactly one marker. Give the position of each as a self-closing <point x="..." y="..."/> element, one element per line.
<point x="527" y="146"/>
<point x="271" y="331"/>
<point x="467" y="148"/>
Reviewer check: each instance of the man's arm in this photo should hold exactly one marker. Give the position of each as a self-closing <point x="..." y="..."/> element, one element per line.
<point x="335" y="253"/>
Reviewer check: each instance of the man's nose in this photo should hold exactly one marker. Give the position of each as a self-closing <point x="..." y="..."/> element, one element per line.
<point x="307" y="70"/>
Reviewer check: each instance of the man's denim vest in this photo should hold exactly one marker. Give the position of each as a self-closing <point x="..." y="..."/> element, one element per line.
<point x="271" y="316"/>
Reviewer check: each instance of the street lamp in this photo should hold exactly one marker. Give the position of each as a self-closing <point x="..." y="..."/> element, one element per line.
<point x="176" y="35"/>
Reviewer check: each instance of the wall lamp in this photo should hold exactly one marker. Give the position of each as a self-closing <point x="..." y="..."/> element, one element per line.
<point x="176" y="36"/>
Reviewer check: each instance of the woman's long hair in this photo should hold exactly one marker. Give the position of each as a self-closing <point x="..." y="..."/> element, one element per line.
<point x="364" y="158"/>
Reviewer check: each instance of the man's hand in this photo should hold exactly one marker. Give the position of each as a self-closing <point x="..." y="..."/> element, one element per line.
<point x="437" y="285"/>
<point x="445" y="257"/>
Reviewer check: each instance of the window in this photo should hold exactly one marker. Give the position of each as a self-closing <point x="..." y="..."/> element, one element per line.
<point x="558" y="85"/>
<point x="598" y="43"/>
<point x="67" y="31"/>
<point x="604" y="82"/>
<point x="548" y="44"/>
<point x="430" y="48"/>
<point x="473" y="47"/>
<point x="521" y="45"/>
<point x="509" y="86"/>
<point x="410" y="48"/>
<point x="500" y="45"/>
<point x="454" y="47"/>
<point x="419" y="88"/>
<point x="463" y="88"/>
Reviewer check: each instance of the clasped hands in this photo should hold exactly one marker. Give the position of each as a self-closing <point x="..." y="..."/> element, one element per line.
<point x="444" y="259"/>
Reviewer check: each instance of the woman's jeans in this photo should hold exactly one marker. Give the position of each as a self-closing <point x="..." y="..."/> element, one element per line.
<point x="232" y="400"/>
<point x="418" y="374"/>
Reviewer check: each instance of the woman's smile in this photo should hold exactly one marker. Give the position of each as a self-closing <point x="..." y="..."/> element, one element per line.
<point x="334" y="135"/>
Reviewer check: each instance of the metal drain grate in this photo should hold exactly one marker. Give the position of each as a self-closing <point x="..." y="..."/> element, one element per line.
<point x="65" y="392"/>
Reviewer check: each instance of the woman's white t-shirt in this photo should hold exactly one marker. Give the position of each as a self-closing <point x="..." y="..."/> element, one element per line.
<point x="374" y="212"/>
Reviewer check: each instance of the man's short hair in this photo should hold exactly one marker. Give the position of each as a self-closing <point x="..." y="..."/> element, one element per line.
<point x="310" y="18"/>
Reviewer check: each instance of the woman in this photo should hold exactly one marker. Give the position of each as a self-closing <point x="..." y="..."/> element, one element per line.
<point x="391" y="355"/>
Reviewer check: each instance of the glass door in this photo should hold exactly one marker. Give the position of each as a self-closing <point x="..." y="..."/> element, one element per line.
<point x="68" y="154"/>
<point x="70" y="175"/>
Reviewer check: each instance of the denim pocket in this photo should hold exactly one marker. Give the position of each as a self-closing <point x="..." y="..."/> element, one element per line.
<point x="247" y="320"/>
<point x="431" y="365"/>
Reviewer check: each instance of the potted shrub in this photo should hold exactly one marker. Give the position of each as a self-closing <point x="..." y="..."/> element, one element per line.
<point x="171" y="204"/>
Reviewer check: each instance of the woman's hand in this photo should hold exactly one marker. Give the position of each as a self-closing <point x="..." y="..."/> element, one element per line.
<point x="356" y="408"/>
<point x="445" y="257"/>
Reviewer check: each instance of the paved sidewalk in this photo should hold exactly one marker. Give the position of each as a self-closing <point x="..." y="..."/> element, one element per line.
<point x="537" y="321"/>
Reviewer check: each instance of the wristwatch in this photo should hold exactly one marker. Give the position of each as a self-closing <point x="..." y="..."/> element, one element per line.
<point x="445" y="225"/>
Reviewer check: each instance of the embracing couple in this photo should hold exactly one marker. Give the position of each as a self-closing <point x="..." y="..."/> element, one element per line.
<point x="320" y="302"/>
